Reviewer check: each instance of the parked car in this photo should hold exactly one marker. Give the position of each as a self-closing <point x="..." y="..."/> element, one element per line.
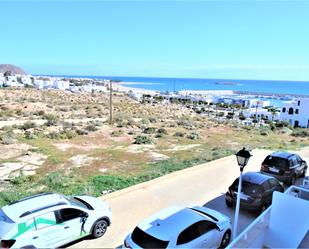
<point x="256" y="191"/>
<point x="176" y="227"/>
<point x="286" y="167"/>
<point x="51" y="220"/>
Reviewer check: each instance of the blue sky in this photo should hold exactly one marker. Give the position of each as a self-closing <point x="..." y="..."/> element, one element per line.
<point x="197" y="39"/>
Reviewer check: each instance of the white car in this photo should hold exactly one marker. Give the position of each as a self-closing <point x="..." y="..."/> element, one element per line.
<point x="51" y="220"/>
<point x="176" y="227"/>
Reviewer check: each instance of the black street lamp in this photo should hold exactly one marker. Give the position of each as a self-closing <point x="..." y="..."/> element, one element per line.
<point x="243" y="157"/>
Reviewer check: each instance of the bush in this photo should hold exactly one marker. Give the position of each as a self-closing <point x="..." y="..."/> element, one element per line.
<point x="143" y="139"/>
<point x="41" y="113"/>
<point x="65" y="134"/>
<point x="28" y="125"/>
<point x="152" y="120"/>
<point x="179" y="134"/>
<point x="193" y="136"/>
<point x="149" y="130"/>
<point x="91" y="128"/>
<point x="264" y="131"/>
<point x="131" y="132"/>
<point x="82" y="132"/>
<point x="52" y="120"/>
<point x="300" y="133"/>
<point x="7" y="137"/>
<point x="162" y="131"/>
<point x="29" y="135"/>
<point x="281" y="124"/>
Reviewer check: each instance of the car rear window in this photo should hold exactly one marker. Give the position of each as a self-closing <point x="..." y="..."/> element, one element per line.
<point x="145" y="240"/>
<point x="251" y="188"/>
<point x="248" y="187"/>
<point x="6" y="224"/>
<point x="276" y="162"/>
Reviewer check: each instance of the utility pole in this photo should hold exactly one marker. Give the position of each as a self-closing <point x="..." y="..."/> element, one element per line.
<point x="110" y="102"/>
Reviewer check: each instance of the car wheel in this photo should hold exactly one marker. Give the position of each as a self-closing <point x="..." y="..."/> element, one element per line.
<point x="99" y="228"/>
<point x="228" y="203"/>
<point x="225" y="239"/>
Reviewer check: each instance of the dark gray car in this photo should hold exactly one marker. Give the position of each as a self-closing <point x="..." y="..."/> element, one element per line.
<point x="256" y="191"/>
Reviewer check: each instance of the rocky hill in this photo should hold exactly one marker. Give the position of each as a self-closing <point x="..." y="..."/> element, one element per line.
<point x="12" y="68"/>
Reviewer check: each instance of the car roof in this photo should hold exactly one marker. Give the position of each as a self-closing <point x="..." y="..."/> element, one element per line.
<point x="169" y="222"/>
<point x="282" y="154"/>
<point x="256" y="177"/>
<point x="35" y="203"/>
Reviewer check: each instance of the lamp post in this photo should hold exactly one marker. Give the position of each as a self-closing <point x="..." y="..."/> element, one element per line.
<point x="243" y="157"/>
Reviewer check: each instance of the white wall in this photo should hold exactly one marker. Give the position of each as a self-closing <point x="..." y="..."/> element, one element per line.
<point x="303" y="112"/>
<point x="289" y="221"/>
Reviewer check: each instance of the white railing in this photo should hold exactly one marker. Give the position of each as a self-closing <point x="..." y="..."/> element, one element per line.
<point x="254" y="235"/>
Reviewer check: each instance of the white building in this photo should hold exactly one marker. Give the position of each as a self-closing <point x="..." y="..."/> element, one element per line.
<point x="296" y="112"/>
<point x="11" y="81"/>
<point x="136" y="96"/>
<point x="26" y="79"/>
<point x="61" y="84"/>
<point x="258" y="103"/>
<point x="260" y="113"/>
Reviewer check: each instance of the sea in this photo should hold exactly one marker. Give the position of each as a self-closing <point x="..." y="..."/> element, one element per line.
<point x="270" y="87"/>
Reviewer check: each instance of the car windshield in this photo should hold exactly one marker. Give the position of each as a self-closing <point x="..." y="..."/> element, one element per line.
<point x="276" y="162"/>
<point x="6" y="224"/>
<point x="145" y="240"/>
<point x="79" y="203"/>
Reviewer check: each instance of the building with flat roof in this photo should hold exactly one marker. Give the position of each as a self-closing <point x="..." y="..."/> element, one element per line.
<point x="296" y="112"/>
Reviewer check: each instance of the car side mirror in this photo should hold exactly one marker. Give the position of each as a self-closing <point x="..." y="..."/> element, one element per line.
<point x="84" y="215"/>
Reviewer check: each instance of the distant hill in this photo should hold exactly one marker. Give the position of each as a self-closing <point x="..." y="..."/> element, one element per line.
<point x="12" y="68"/>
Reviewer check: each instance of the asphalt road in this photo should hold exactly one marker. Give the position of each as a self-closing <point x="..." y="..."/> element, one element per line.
<point x="204" y="184"/>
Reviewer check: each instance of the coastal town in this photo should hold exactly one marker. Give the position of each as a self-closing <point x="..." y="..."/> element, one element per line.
<point x="249" y="109"/>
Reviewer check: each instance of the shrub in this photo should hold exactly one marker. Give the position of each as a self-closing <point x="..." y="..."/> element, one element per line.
<point x="28" y="125"/>
<point x="7" y="137"/>
<point x="149" y="130"/>
<point x="193" y="136"/>
<point x="131" y="132"/>
<point x="281" y="124"/>
<point x="264" y="131"/>
<point x="179" y="134"/>
<point x="145" y="121"/>
<point x="158" y="135"/>
<point x="65" y="134"/>
<point x="41" y="113"/>
<point x="52" y="120"/>
<point x="152" y="120"/>
<point x="300" y="133"/>
<point x="162" y="131"/>
<point x="91" y="127"/>
<point x="29" y="135"/>
<point x="18" y="112"/>
<point x="143" y="139"/>
<point x="82" y="132"/>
